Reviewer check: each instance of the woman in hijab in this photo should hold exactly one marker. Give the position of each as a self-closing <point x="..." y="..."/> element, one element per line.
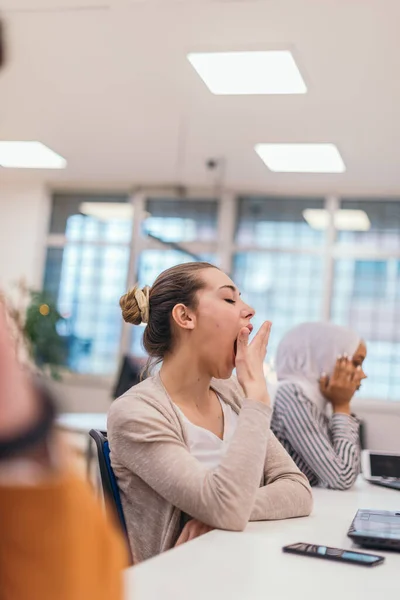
<point x="320" y="364"/>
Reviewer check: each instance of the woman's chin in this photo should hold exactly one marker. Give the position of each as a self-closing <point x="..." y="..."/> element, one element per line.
<point x="224" y="372"/>
<point x="226" y="375"/>
<point x="229" y="370"/>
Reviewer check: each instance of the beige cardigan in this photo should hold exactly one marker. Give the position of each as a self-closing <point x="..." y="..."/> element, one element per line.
<point x="159" y="478"/>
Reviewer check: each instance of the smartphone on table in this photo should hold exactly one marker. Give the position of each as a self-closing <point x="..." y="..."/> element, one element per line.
<point x="337" y="554"/>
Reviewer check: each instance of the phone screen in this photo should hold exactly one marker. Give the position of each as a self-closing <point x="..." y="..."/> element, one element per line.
<point x="333" y="553"/>
<point x="384" y="466"/>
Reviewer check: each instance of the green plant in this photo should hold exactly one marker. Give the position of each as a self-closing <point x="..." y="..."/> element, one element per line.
<point x="47" y="346"/>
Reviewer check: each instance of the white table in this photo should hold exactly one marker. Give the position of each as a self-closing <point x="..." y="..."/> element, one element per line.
<point x="82" y="422"/>
<point x="251" y="565"/>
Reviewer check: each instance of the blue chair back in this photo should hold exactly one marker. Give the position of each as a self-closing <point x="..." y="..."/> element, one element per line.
<point x="108" y="480"/>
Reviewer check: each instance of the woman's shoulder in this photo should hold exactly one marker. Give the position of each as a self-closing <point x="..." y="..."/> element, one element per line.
<point x="289" y="392"/>
<point x="147" y="398"/>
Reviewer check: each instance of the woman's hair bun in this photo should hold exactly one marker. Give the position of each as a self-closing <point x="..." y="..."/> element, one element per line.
<point x="135" y="305"/>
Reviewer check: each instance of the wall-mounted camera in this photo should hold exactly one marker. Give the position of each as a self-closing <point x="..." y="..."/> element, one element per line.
<point x="212" y="164"/>
<point x="216" y="171"/>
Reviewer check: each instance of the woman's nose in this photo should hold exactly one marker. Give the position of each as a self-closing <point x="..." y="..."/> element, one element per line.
<point x="249" y="312"/>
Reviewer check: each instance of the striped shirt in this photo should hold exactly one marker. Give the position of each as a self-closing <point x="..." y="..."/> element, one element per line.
<point x="327" y="450"/>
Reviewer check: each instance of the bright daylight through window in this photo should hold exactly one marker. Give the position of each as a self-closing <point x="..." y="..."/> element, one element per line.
<point x="278" y="256"/>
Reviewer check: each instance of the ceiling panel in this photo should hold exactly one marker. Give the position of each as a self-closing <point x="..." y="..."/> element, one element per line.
<point x="112" y="91"/>
<point x="52" y="5"/>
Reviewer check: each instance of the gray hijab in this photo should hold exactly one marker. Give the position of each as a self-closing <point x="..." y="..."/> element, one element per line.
<point x="309" y="350"/>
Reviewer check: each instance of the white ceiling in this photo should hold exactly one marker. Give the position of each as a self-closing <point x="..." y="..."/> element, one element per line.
<point x="106" y="83"/>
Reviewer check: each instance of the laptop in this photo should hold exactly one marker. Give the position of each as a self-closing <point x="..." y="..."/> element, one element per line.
<point x="381" y="468"/>
<point x="376" y="529"/>
<point x="394" y="484"/>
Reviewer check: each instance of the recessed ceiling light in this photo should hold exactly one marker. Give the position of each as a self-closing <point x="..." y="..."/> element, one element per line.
<point x="301" y="158"/>
<point x="267" y="72"/>
<point x="317" y="218"/>
<point x="29" y="155"/>
<point x="344" y="219"/>
<point x="107" y="211"/>
<point x="351" y="220"/>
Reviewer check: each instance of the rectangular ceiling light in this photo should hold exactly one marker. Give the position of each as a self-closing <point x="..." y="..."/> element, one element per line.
<point x="344" y="220"/>
<point x="29" y="155"/>
<point x="317" y="218"/>
<point x="238" y="73"/>
<point x="301" y="158"/>
<point x="107" y="211"/>
<point x="352" y="220"/>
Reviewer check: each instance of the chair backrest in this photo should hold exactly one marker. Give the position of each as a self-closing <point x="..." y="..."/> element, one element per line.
<point x="108" y="480"/>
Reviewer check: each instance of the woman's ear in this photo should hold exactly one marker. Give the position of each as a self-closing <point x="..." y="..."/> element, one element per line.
<point x="183" y="317"/>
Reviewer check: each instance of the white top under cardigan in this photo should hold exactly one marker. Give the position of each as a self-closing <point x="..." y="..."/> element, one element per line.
<point x="204" y="445"/>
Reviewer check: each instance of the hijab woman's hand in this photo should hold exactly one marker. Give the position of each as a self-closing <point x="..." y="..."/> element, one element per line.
<point x="341" y="386"/>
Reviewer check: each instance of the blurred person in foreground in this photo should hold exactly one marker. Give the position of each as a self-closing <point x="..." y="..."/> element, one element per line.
<point x="320" y="364"/>
<point x="55" y="542"/>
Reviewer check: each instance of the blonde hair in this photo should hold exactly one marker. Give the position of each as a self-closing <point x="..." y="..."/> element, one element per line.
<point x="135" y="305"/>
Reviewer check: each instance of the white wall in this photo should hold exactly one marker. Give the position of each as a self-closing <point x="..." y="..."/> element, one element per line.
<point x="87" y="394"/>
<point x="24" y="213"/>
<point x="382" y="424"/>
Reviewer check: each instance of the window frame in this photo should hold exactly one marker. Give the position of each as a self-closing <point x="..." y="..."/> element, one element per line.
<point x="225" y="246"/>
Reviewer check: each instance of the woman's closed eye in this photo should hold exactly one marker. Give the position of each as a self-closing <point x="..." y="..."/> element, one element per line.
<point x="230" y="300"/>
